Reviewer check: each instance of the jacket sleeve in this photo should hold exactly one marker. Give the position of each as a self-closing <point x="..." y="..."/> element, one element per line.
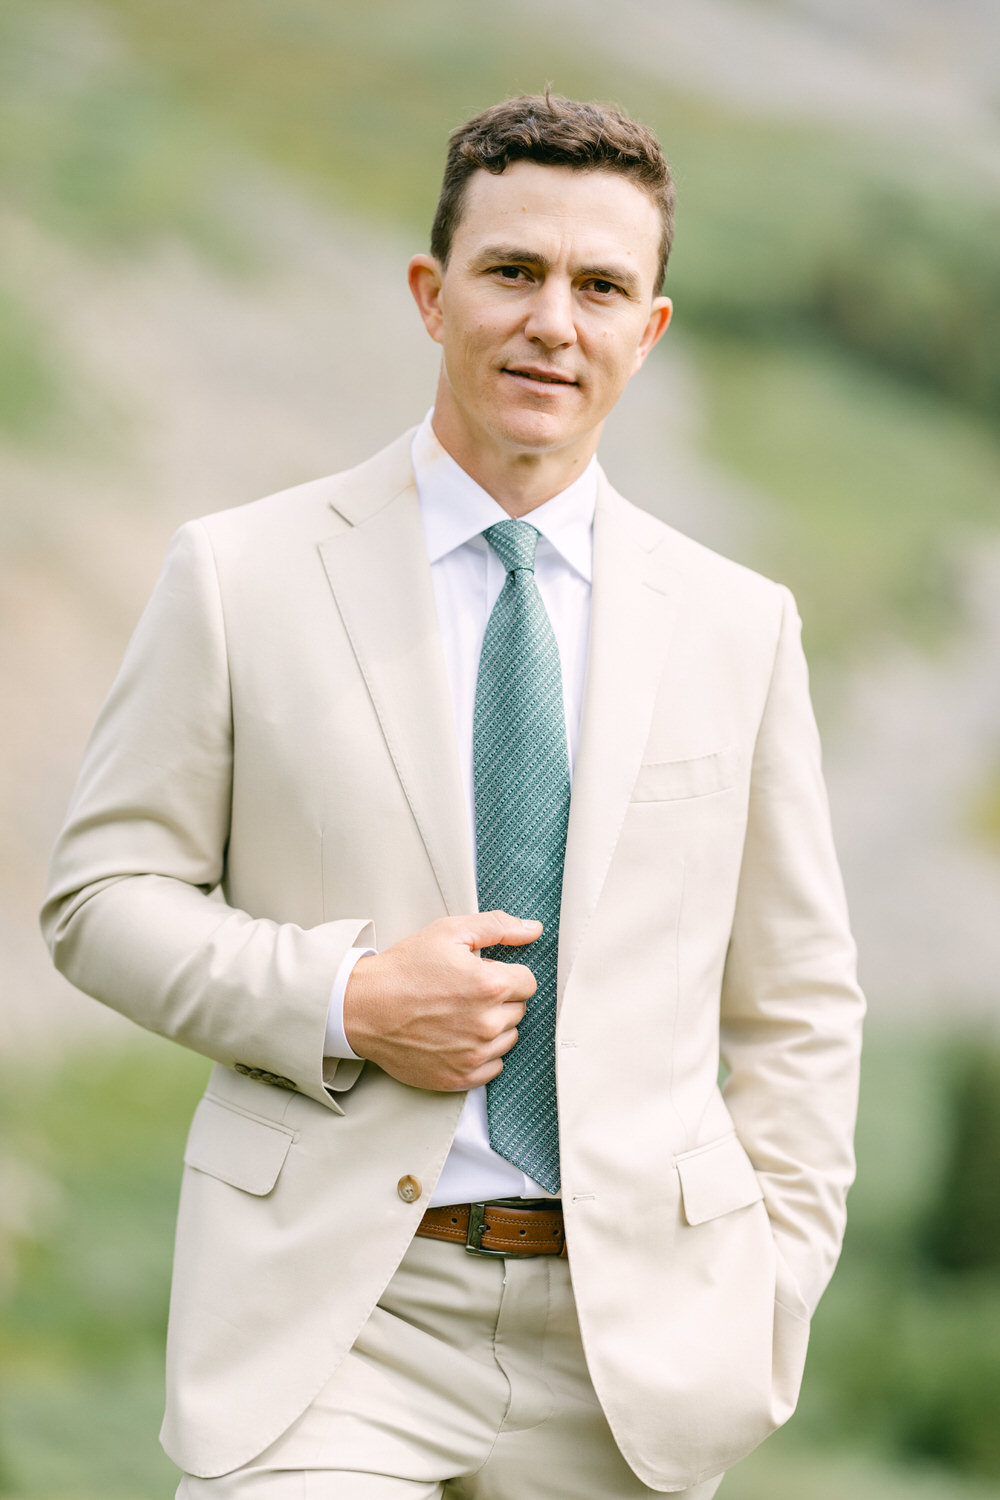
<point x="134" y="913"/>
<point x="791" y="1006"/>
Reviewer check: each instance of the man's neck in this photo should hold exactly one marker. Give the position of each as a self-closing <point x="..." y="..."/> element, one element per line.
<point x="518" y="482"/>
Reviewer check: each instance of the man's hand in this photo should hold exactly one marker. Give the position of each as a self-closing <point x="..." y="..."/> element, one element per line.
<point x="433" y="1013"/>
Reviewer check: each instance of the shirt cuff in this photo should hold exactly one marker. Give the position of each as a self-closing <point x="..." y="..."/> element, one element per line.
<point x="336" y="1044"/>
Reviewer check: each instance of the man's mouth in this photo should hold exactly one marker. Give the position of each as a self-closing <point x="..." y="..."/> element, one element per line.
<point x="543" y="377"/>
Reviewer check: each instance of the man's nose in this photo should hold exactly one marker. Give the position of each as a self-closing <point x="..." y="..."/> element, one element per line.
<point x="551" y="317"/>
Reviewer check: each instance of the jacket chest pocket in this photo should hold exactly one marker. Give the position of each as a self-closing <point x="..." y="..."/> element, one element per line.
<point x="672" y="780"/>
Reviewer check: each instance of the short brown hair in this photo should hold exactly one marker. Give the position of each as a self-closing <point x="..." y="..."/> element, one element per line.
<point x="555" y="132"/>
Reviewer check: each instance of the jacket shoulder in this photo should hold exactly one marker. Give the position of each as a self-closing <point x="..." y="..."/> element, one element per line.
<point x="714" y="574"/>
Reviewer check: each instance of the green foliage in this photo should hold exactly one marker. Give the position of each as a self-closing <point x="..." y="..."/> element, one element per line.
<point x="915" y="286"/>
<point x="908" y="1365"/>
<point x="783" y="234"/>
<point x="96" y="1148"/>
<point x="29" y="383"/>
<point x="865" y="477"/>
<point x="963" y="1224"/>
<point x="95" y="142"/>
<point x="781" y="1471"/>
<point x="905" y="1357"/>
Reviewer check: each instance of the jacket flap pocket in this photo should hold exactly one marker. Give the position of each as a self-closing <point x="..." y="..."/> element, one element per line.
<point x="665" y="780"/>
<point x="715" y="1179"/>
<point x="247" y="1153"/>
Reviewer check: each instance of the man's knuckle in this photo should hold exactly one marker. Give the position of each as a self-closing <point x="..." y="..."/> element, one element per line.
<point x="494" y="982"/>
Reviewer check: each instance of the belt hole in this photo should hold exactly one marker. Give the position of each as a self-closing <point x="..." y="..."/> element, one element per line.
<point x="522" y="1231"/>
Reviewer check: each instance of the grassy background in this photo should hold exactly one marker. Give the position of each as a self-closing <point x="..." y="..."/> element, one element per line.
<point x="900" y="1394"/>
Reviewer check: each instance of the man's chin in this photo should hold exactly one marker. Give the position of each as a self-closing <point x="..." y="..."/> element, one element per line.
<point x="538" y="433"/>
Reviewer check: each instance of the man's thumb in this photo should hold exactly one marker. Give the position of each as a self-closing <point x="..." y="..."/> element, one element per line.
<point x="499" y="927"/>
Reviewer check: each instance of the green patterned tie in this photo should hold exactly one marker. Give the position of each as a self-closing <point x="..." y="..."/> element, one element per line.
<point x="521" y="768"/>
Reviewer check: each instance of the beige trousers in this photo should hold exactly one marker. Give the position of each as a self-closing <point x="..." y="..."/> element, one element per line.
<point x="468" y="1382"/>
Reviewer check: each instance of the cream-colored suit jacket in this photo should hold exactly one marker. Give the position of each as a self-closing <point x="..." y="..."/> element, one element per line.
<point x="275" y="778"/>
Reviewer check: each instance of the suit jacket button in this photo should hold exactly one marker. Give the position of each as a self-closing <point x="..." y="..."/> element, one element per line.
<point x="408" y="1189"/>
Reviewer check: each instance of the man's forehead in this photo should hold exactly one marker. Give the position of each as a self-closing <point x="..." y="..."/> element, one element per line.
<point x="560" y="188"/>
<point x="530" y="199"/>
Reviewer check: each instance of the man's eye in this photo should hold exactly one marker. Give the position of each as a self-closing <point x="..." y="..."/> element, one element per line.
<point x="510" y="273"/>
<point x="603" y="288"/>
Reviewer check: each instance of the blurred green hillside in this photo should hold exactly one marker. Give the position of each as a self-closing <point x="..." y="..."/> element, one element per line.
<point x="841" y="292"/>
<point x="837" y="293"/>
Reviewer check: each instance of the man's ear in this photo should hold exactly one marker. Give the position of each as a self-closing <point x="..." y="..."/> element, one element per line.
<point x="425" y="276"/>
<point x="656" y="327"/>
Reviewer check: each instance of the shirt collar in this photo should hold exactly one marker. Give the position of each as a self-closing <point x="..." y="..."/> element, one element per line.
<point x="455" y="509"/>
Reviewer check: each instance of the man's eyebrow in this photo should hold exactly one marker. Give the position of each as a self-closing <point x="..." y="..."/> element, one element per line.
<point x="517" y="255"/>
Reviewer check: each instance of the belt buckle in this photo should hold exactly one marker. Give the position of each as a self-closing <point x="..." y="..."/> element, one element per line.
<point x="474" y="1235"/>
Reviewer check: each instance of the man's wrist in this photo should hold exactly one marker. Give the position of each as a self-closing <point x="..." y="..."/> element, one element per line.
<point x="336" y="1043"/>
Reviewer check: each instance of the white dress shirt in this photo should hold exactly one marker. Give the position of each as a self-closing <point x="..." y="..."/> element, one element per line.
<point x="467" y="576"/>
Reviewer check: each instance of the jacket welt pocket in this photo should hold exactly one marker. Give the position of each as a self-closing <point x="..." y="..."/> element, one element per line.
<point x="245" y="1151"/>
<point x="669" y="780"/>
<point x="716" y="1179"/>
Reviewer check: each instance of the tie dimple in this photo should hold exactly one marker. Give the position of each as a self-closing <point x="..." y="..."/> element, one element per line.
<point x="521" y="770"/>
<point x="514" y="542"/>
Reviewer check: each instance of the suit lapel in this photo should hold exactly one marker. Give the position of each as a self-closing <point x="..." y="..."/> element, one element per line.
<point x="381" y="581"/>
<point x="633" y="608"/>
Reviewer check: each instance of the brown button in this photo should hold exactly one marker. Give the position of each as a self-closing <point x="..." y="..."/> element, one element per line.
<point x="408" y="1189"/>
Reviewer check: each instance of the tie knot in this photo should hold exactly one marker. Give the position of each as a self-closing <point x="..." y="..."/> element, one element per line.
<point x="514" y="543"/>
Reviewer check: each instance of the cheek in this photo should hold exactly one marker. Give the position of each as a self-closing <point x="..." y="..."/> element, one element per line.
<point x="619" y="358"/>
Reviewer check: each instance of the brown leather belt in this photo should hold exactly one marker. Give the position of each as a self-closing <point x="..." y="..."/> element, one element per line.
<point x="503" y="1227"/>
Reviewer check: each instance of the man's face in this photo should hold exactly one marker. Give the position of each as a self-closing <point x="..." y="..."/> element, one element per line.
<point x="545" y="308"/>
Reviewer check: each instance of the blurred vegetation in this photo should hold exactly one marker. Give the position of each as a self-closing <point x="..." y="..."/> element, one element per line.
<point x="874" y="486"/>
<point x="906" y="1357"/>
<point x="984" y="811"/>
<point x="91" y="1163"/>
<point x="903" y="1384"/>
<point x="95" y="142"/>
<point x="29" y="383"/>
<point x="841" y="297"/>
<point x="963" y="1228"/>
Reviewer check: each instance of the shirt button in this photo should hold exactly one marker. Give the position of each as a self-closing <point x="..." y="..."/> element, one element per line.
<point x="408" y="1189"/>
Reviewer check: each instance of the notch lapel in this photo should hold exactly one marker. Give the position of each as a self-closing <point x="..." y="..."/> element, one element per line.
<point x="636" y="593"/>
<point x="381" y="581"/>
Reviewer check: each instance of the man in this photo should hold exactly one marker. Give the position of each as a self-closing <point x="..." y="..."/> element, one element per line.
<point x="324" y="835"/>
